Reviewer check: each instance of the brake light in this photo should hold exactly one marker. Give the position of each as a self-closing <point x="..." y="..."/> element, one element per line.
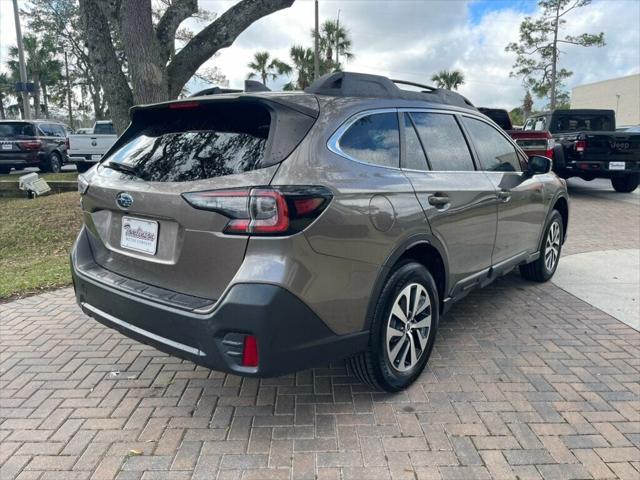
<point x="179" y="105"/>
<point x="30" y="144"/>
<point x="264" y="210"/>
<point x="580" y="146"/>
<point x="250" y="351"/>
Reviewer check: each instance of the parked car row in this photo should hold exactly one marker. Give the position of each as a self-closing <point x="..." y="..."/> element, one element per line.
<point x="48" y="145"/>
<point x="583" y="143"/>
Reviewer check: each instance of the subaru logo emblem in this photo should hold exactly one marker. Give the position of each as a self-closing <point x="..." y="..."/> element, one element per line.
<point x="124" y="200"/>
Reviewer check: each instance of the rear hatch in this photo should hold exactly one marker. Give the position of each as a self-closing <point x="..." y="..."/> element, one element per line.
<point x="17" y="139"/>
<point x="611" y="146"/>
<point x="141" y="226"/>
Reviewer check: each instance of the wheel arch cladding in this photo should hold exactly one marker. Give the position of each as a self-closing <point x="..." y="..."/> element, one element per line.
<point x="562" y="206"/>
<point x="429" y="256"/>
<point x="422" y="250"/>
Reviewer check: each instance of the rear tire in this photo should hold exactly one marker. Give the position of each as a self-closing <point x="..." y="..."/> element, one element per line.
<point x="626" y="184"/>
<point x="83" y="166"/>
<point x="542" y="269"/>
<point x="403" y="330"/>
<point x="5" y="170"/>
<point x="53" y="163"/>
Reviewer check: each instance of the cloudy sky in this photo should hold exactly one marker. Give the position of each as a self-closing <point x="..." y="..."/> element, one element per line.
<point x="412" y="39"/>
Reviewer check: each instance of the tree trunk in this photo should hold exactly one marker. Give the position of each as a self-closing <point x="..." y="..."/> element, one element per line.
<point x="36" y="95"/>
<point x="554" y="58"/>
<point x="147" y="71"/>
<point x="2" y="114"/>
<point x="106" y="64"/>
<point x="45" y="101"/>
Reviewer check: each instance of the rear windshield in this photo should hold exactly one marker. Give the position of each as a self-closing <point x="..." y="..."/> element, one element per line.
<point x="16" y="129"/>
<point x="581" y="123"/>
<point x="104" y="129"/>
<point x="194" y="144"/>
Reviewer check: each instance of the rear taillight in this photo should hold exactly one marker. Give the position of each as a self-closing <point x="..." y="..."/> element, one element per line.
<point x="580" y="146"/>
<point x="264" y="210"/>
<point x="67" y="143"/>
<point x="30" y="144"/>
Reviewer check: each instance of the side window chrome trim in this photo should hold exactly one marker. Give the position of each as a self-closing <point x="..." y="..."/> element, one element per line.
<point x="334" y="141"/>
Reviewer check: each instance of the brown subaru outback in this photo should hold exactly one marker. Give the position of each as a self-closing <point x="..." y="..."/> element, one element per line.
<point x="261" y="233"/>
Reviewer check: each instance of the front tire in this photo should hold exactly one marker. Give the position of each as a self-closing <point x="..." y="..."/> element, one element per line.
<point x="542" y="269"/>
<point x="403" y="330"/>
<point x="626" y="184"/>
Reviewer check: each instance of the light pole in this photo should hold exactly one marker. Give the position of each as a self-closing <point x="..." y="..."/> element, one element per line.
<point x="23" y="69"/>
<point x="316" y="45"/>
<point x="338" y="40"/>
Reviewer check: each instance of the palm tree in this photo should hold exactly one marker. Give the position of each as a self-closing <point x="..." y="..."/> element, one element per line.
<point x="302" y="60"/>
<point x="5" y="90"/>
<point x="265" y="67"/>
<point x="450" y="80"/>
<point x="333" y="36"/>
<point x="42" y="68"/>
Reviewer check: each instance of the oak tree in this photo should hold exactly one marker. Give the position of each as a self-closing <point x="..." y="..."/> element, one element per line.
<point x="136" y="58"/>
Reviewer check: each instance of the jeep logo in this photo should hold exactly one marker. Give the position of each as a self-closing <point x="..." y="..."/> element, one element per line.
<point x="620" y="145"/>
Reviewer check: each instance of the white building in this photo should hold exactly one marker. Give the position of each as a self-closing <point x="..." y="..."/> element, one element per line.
<point x="619" y="94"/>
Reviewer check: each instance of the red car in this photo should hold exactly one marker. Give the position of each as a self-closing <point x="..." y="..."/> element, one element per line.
<point x="531" y="141"/>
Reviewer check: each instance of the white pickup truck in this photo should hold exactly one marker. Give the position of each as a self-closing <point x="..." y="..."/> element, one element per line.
<point x="87" y="149"/>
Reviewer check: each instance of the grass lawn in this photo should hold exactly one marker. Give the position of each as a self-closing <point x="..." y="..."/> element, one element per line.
<point x="35" y="239"/>
<point x="47" y="176"/>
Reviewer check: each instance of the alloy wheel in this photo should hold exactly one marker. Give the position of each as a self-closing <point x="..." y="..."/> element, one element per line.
<point x="552" y="247"/>
<point x="408" y="327"/>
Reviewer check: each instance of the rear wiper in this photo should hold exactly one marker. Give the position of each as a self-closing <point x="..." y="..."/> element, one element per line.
<point x="121" y="167"/>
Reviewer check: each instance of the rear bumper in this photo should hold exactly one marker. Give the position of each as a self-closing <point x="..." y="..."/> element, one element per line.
<point x="80" y="157"/>
<point x="290" y="336"/>
<point x="19" y="159"/>
<point x="601" y="169"/>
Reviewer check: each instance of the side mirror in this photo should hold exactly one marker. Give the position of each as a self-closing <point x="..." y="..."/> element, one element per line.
<point x="539" y="165"/>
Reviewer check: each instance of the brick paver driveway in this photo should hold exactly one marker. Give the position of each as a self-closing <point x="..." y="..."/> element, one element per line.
<point x="526" y="381"/>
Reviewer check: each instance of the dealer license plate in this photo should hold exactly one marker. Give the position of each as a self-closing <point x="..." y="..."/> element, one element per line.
<point x="616" y="165"/>
<point x="139" y="235"/>
<point x="7" y="146"/>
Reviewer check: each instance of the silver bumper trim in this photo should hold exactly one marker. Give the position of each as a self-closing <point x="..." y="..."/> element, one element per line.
<point x="146" y="333"/>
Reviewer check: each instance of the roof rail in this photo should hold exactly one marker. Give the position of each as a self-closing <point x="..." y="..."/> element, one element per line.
<point x="255" y="86"/>
<point x="414" y="84"/>
<point x="215" y="91"/>
<point x="249" y="86"/>
<point x="351" y="84"/>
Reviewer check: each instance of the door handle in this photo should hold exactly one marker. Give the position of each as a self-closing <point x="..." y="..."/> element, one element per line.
<point x="504" y="195"/>
<point x="439" y="200"/>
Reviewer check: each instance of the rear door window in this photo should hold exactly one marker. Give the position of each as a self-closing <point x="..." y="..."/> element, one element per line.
<point x="443" y="141"/>
<point x="374" y="139"/>
<point x="495" y="152"/>
<point x="196" y="144"/>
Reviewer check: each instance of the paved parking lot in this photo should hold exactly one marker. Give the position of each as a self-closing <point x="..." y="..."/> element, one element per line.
<point x="526" y="381"/>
